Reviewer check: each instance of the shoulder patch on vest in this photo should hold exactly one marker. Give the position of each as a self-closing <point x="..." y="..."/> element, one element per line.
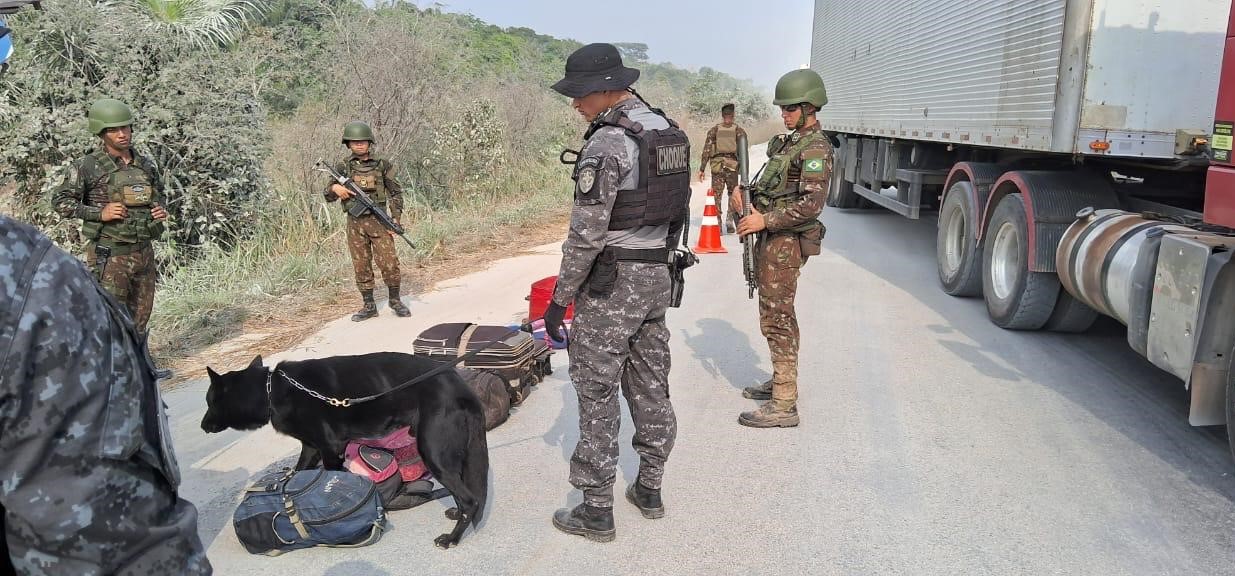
<point x="815" y="164"/>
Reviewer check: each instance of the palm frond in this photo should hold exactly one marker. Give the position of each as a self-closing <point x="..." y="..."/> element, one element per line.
<point x="200" y="23"/>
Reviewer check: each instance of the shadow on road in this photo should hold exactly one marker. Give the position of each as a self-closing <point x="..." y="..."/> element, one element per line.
<point x="725" y="353"/>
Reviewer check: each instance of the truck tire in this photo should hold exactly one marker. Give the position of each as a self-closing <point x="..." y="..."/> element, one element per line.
<point x="1016" y="298"/>
<point x="958" y="254"/>
<point x="1070" y="315"/>
<point x="840" y="191"/>
<point x="1230" y="405"/>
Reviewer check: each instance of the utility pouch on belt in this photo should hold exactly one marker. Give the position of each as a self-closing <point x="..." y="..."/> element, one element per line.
<point x="604" y="274"/>
<point x="356" y="209"/>
<point x="811" y="239"/>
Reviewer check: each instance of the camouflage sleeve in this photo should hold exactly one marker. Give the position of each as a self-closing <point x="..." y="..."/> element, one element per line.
<point x="89" y="477"/>
<point x="709" y="144"/>
<point x="603" y="164"/>
<point x="394" y="191"/>
<point x="67" y="197"/>
<point x="341" y="168"/>
<point x="815" y="163"/>
<point x="155" y="174"/>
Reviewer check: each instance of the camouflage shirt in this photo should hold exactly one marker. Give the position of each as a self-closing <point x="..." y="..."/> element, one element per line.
<point x="83" y="192"/>
<point x="394" y="190"/>
<point x="88" y="479"/>
<point x="607" y="165"/>
<point x="810" y="177"/>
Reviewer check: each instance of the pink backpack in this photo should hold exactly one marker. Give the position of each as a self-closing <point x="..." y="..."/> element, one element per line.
<point x="373" y="464"/>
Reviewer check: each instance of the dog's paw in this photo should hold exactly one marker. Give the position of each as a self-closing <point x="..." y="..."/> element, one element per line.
<point x="452" y="513"/>
<point x="445" y="541"/>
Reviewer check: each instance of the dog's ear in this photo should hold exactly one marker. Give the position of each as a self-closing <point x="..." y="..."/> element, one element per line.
<point x="257" y="362"/>
<point x="211" y="373"/>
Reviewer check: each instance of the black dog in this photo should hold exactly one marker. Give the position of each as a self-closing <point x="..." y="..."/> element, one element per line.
<point x="443" y="413"/>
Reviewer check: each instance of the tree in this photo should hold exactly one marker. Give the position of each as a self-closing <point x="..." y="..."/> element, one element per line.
<point x="200" y="23"/>
<point x="633" y="52"/>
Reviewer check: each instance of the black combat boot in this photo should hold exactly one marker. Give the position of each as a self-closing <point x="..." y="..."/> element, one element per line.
<point x="646" y="500"/>
<point x="595" y="524"/>
<point x="396" y="304"/>
<point x="370" y="308"/>
<point x="760" y="392"/>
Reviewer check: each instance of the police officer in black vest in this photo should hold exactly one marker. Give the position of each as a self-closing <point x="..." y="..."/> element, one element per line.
<point x="632" y="189"/>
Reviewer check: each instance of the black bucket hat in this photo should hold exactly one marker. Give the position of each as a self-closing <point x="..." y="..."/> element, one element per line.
<point x="595" y="68"/>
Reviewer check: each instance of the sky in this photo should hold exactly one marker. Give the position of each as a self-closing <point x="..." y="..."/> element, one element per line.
<point x="759" y="41"/>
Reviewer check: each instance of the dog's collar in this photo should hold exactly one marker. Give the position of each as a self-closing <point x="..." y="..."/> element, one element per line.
<point x="269" y="377"/>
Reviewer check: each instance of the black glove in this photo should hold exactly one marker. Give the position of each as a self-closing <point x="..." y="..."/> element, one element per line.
<point x="554" y="315"/>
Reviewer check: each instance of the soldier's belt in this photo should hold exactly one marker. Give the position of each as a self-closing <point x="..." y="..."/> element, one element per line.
<point x="655" y="255"/>
<point x="124" y="248"/>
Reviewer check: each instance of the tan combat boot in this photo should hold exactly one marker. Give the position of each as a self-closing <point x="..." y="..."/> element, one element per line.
<point x="760" y="392"/>
<point x="771" y="414"/>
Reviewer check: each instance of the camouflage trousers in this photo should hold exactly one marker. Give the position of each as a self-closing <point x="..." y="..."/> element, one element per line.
<point x="621" y="340"/>
<point x="369" y="242"/>
<point x="779" y="260"/>
<point x="724" y="181"/>
<point x="130" y="279"/>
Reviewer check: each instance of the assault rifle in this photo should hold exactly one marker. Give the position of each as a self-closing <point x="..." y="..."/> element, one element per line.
<point x="748" y="241"/>
<point x="364" y="204"/>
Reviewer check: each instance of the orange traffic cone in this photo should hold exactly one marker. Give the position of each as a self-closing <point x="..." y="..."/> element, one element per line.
<point x="709" y="231"/>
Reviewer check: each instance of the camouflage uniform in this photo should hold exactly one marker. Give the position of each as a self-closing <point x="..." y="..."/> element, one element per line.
<point x="89" y="478"/>
<point x="619" y="338"/>
<point x="792" y="225"/>
<point x="367" y="240"/>
<point x="96" y="180"/>
<point x="723" y="164"/>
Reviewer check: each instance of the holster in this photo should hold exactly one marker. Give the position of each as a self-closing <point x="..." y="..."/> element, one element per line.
<point x="679" y="261"/>
<point x="101" y="255"/>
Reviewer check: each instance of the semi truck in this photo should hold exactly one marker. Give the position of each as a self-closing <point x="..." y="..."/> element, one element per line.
<point x="1077" y="155"/>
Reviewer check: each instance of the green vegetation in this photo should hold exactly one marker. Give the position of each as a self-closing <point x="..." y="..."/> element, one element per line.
<point x="236" y="100"/>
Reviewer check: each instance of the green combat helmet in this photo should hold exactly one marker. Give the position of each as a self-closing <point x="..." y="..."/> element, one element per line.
<point x="357" y="131"/>
<point x="801" y="86"/>
<point x="108" y="113"/>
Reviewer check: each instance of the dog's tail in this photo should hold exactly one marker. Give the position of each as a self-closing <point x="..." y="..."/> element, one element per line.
<point x="476" y="466"/>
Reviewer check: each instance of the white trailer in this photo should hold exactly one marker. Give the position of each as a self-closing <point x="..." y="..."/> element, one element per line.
<point x="1065" y="145"/>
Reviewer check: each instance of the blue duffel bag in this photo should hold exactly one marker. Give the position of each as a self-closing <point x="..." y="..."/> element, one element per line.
<point x="290" y="510"/>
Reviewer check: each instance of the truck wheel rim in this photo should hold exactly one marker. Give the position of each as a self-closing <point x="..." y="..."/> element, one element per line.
<point x="1006" y="261"/>
<point x="954" y="240"/>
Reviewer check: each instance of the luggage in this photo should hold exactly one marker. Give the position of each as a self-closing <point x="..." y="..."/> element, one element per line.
<point x="399" y="473"/>
<point x="490" y="389"/>
<point x="517" y="358"/>
<point x="290" y="510"/>
<point x="538" y="299"/>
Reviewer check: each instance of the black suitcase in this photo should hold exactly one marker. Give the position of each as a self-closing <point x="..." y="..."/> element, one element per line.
<point x="519" y="359"/>
<point x="493" y="393"/>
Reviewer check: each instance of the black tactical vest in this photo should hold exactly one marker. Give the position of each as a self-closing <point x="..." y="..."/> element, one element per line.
<point x="661" y="195"/>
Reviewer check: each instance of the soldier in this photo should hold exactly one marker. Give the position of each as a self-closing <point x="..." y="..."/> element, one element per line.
<point x="787" y="201"/>
<point x="90" y="478"/>
<point x="367" y="240"/>
<point x="118" y="195"/>
<point x="614" y="270"/>
<point x="720" y="153"/>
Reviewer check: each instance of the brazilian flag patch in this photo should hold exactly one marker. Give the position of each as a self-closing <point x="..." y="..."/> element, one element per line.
<point x="813" y="165"/>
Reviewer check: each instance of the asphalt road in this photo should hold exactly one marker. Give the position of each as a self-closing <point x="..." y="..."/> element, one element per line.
<point x="931" y="442"/>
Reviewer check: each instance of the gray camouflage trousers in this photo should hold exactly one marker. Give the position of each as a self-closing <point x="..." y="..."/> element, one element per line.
<point x="622" y="340"/>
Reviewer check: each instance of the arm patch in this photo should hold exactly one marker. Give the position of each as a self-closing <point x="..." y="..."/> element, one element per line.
<point x="587" y="172"/>
<point x="816" y="165"/>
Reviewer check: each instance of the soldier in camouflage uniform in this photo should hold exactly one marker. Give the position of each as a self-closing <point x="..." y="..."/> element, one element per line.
<point x="720" y="153"/>
<point x="614" y="270"/>
<point x="89" y="475"/>
<point x="118" y="195"/>
<point x="788" y="199"/>
<point x="367" y="240"/>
